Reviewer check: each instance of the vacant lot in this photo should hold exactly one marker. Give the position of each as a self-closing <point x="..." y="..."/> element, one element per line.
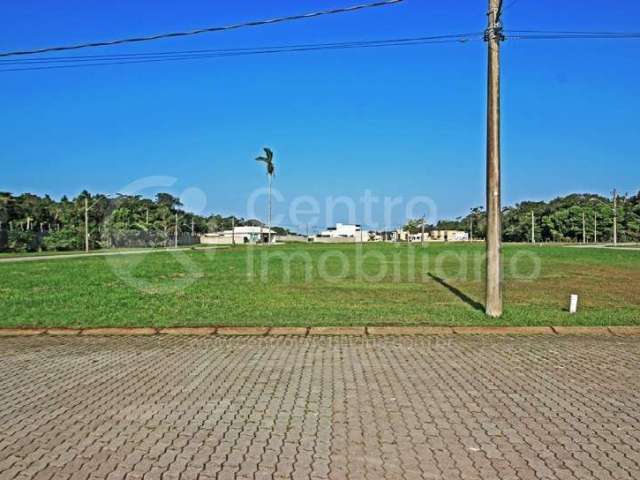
<point x="374" y="284"/>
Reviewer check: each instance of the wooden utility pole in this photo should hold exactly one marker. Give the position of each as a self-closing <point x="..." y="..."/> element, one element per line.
<point x="175" y="233"/>
<point x="584" y="229"/>
<point x="615" y="217"/>
<point x="595" y="227"/>
<point x="533" y="227"/>
<point x="471" y="228"/>
<point x="86" y="224"/>
<point x="493" y="37"/>
<point x="422" y="233"/>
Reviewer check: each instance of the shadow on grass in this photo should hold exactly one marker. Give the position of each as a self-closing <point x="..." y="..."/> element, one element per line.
<point x="458" y="293"/>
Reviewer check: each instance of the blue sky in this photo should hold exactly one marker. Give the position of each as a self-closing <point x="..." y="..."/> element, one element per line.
<point x="402" y="121"/>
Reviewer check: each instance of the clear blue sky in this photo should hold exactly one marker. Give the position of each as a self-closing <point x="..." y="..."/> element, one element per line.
<point x="399" y="121"/>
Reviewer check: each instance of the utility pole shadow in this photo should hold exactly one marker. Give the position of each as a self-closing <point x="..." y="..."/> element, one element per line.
<point x="458" y="293"/>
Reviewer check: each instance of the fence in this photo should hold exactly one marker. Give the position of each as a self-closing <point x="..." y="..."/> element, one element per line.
<point x="30" y="241"/>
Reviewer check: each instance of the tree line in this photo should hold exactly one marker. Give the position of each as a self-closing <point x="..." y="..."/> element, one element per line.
<point x="563" y="219"/>
<point x="30" y="222"/>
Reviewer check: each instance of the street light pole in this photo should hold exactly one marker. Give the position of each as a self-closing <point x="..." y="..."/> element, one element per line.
<point x="533" y="227"/>
<point x="233" y="230"/>
<point x="615" y="217"/>
<point x="493" y="38"/>
<point x="175" y="233"/>
<point x="269" y="233"/>
<point x="86" y="224"/>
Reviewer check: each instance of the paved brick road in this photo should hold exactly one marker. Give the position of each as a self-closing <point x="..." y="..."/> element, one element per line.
<point x="320" y="407"/>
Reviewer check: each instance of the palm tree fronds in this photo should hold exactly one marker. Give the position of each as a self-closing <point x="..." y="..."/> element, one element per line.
<point x="268" y="159"/>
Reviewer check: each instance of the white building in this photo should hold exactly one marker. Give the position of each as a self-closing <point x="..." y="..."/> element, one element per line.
<point x="341" y="230"/>
<point x="433" y="236"/>
<point x="241" y="235"/>
<point x="449" y="235"/>
<point x="345" y="231"/>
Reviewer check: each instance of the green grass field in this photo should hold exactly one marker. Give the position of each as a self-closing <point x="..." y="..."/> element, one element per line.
<point x="311" y="285"/>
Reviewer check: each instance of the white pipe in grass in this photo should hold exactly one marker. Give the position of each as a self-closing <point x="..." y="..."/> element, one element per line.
<point x="573" y="304"/>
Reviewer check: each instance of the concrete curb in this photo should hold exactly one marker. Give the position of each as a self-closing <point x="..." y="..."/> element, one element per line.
<point x="119" y="331"/>
<point x="503" y="330"/>
<point x="20" y="332"/>
<point x="582" y="330"/>
<point x="622" y="331"/>
<point x="337" y="331"/>
<point x="625" y="331"/>
<point x="59" y="332"/>
<point x="410" y="330"/>
<point x="243" y="331"/>
<point x="188" y="331"/>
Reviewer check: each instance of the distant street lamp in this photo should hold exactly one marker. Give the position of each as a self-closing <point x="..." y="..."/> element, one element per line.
<point x="86" y="219"/>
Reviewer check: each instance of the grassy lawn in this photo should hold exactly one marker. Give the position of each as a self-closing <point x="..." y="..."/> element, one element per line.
<point x="308" y="285"/>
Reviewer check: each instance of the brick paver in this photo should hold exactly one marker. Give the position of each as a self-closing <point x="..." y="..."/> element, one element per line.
<point x="313" y="407"/>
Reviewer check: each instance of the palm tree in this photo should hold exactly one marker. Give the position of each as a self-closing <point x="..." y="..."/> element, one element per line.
<point x="268" y="160"/>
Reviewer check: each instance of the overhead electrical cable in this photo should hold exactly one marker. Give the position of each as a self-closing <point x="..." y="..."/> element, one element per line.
<point x="77" y="61"/>
<point x="523" y="35"/>
<point x="160" y="36"/>
<point x="461" y="37"/>
<point x="169" y="56"/>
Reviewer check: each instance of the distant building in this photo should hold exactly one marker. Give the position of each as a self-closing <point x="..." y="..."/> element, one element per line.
<point x="344" y="232"/>
<point x="432" y="236"/>
<point x="241" y="235"/>
<point x="291" y="238"/>
<point x="341" y="230"/>
<point x="449" y="235"/>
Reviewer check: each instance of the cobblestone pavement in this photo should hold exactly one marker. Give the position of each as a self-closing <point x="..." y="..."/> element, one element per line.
<point x="459" y="407"/>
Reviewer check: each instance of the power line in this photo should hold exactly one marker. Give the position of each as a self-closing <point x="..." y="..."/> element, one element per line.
<point x="357" y="43"/>
<point x="504" y="9"/>
<point x="205" y="56"/>
<point x="576" y="35"/>
<point x="78" y="61"/>
<point x="572" y="32"/>
<point x="199" y="31"/>
<point x="169" y="57"/>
